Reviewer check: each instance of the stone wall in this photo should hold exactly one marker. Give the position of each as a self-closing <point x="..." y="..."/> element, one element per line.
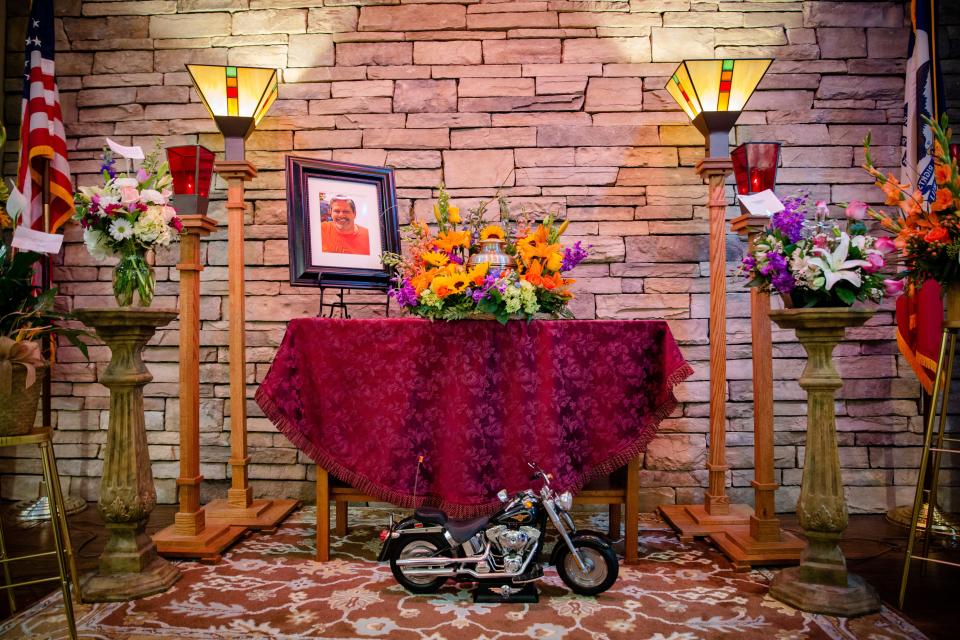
<point x="562" y="102"/>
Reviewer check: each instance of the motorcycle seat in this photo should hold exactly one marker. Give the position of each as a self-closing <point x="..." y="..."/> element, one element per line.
<point x="460" y="530"/>
<point x="463" y="530"/>
<point x="430" y="515"/>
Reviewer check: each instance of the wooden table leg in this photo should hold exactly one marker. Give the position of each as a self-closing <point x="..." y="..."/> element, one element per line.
<point x="614" y="521"/>
<point x="341" y="527"/>
<point x="323" y="515"/>
<point x="631" y="530"/>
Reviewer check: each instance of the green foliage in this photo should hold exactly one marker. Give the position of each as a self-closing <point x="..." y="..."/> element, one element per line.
<point x="26" y="314"/>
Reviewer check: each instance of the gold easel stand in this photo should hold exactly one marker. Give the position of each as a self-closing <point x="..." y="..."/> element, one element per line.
<point x="239" y="508"/>
<point x="941" y="386"/>
<point x="716" y="514"/>
<point x="822" y="584"/>
<point x="63" y="550"/>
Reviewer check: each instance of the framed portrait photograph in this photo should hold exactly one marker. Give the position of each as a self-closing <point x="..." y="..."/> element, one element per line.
<point x="341" y="219"/>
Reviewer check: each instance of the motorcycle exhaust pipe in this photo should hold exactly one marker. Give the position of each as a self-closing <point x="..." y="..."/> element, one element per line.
<point x="416" y="573"/>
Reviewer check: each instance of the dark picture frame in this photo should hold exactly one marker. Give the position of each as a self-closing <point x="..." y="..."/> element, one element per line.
<point x="372" y="194"/>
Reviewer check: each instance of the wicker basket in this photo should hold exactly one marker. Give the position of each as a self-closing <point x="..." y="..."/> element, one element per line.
<point x="18" y="406"/>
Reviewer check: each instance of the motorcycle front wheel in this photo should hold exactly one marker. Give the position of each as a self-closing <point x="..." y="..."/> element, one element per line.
<point x="422" y="545"/>
<point x="601" y="563"/>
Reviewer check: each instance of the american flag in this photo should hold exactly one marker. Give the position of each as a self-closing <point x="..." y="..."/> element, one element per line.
<point x="41" y="129"/>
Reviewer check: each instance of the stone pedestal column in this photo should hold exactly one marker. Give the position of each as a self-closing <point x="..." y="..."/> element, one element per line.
<point x="129" y="566"/>
<point x="821" y="584"/>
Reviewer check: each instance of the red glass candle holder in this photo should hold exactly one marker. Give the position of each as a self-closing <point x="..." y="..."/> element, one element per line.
<point x="191" y="168"/>
<point x="755" y="166"/>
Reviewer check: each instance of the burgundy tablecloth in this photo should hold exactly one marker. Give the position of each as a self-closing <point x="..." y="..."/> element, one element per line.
<point x="365" y="398"/>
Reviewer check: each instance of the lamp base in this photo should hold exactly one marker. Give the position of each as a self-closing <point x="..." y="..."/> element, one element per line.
<point x="261" y="515"/>
<point x="745" y="552"/>
<point x="692" y="520"/>
<point x="207" y="545"/>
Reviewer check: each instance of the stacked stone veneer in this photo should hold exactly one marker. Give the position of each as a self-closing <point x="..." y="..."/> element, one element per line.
<point x="561" y="102"/>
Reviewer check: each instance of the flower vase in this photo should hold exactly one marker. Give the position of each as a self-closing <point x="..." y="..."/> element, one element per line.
<point x="821" y="584"/>
<point x="134" y="278"/>
<point x="491" y="252"/>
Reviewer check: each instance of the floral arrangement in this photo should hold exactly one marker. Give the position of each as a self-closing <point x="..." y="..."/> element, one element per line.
<point x="127" y="217"/>
<point x="470" y="268"/>
<point x="927" y="234"/>
<point x="819" y="263"/>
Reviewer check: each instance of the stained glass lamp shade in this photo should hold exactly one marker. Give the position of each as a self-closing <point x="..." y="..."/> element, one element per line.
<point x="755" y="166"/>
<point x="237" y="99"/>
<point x="713" y="92"/>
<point x="191" y="168"/>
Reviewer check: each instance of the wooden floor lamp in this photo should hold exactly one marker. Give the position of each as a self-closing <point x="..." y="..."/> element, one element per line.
<point x="237" y="98"/>
<point x="712" y="93"/>
<point x="190" y="535"/>
<point x="762" y="542"/>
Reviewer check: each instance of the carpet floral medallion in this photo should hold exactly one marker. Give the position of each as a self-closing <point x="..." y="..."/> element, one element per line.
<point x="268" y="586"/>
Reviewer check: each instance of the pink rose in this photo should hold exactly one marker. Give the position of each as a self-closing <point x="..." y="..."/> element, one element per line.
<point x="893" y="287"/>
<point x="884" y="245"/>
<point x="876" y="263"/>
<point x="129" y="194"/>
<point x="856" y="210"/>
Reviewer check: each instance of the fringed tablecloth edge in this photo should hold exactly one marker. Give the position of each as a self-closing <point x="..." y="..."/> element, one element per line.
<point x="456" y="510"/>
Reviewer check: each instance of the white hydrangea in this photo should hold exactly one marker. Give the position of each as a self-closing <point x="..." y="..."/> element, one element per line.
<point x="97" y="244"/>
<point x="152" y="228"/>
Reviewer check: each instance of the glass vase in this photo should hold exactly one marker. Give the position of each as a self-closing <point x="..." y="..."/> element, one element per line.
<point x="134" y="279"/>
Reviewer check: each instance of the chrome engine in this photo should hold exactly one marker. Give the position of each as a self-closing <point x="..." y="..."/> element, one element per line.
<point x="511" y="544"/>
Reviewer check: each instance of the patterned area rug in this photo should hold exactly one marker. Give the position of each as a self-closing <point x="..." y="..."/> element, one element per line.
<point x="269" y="587"/>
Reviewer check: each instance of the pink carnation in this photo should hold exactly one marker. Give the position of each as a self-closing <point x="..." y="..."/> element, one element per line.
<point x="876" y="263"/>
<point x="893" y="287"/>
<point x="884" y="245"/>
<point x="856" y="210"/>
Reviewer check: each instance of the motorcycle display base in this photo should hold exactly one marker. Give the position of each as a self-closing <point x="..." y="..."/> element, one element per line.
<point x="485" y="594"/>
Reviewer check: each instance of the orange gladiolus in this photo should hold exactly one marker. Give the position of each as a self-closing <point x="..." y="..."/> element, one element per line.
<point x="944" y="200"/>
<point x="942" y="173"/>
<point x="937" y="234"/>
<point x="892" y="190"/>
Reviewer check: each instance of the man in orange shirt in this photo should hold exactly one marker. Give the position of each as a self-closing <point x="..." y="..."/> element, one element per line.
<point x="342" y="234"/>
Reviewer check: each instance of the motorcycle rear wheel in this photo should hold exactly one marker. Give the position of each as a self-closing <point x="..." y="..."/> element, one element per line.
<point x="419" y="545"/>
<point x="602" y="567"/>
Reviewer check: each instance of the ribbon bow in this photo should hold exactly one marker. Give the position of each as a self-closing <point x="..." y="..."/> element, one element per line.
<point x="26" y="353"/>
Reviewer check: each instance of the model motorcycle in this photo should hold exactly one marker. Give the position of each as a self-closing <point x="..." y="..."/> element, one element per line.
<point x="503" y="550"/>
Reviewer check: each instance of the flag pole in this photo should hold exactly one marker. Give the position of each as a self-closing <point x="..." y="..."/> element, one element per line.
<point x="45" y="268"/>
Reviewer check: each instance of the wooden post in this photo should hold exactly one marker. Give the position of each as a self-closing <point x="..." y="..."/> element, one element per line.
<point x="240" y="508"/>
<point x="763" y="542"/>
<point x="716" y="513"/>
<point x="189" y="536"/>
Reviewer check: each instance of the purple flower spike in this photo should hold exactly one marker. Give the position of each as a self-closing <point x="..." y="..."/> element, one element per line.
<point x="405" y="294"/>
<point x="789" y="222"/>
<point x="572" y="256"/>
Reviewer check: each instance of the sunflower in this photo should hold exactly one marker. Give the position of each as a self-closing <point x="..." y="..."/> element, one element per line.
<point x="492" y="231"/>
<point x="442" y="286"/>
<point x="478" y="273"/>
<point x="435" y="258"/>
<point x="450" y="240"/>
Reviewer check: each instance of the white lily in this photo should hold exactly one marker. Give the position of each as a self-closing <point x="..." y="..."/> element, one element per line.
<point x="835" y="266"/>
